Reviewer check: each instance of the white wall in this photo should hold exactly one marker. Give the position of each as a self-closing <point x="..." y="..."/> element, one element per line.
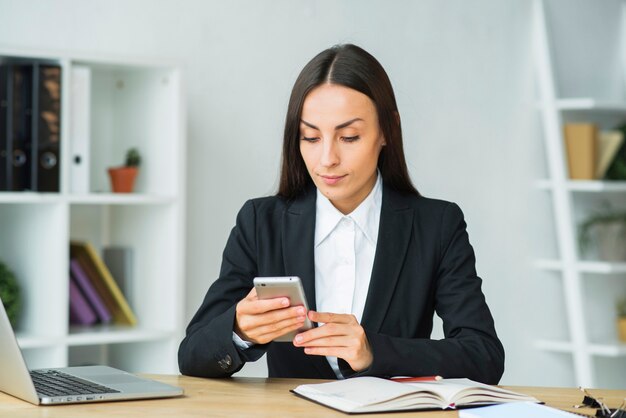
<point x="463" y="80"/>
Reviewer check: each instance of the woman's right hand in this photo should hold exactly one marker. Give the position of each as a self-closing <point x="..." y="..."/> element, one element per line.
<point x="263" y="320"/>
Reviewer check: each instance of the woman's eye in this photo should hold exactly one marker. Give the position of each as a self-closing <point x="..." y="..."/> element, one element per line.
<point x="350" y="138"/>
<point x="309" y="139"/>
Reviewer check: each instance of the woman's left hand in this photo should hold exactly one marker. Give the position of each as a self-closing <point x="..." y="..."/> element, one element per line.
<point x="340" y="336"/>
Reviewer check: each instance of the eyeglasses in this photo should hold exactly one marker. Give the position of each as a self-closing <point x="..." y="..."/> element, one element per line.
<point x="602" y="411"/>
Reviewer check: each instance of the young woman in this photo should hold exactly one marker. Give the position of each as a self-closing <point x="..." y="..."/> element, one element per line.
<point x="376" y="259"/>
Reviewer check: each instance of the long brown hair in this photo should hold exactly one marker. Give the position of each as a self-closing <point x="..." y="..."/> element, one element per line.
<point x="350" y="66"/>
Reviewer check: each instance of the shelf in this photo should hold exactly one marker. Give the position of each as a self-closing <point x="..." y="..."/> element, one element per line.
<point x="112" y="334"/>
<point x="585" y="185"/>
<point x="26" y="341"/>
<point x="588" y="104"/>
<point x="89" y="199"/>
<point x="607" y="349"/>
<point x="598" y="267"/>
<point x="30" y="197"/>
<point x="132" y="104"/>
<point x="119" y="199"/>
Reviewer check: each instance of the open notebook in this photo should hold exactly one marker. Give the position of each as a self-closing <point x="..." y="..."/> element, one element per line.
<point x="373" y="394"/>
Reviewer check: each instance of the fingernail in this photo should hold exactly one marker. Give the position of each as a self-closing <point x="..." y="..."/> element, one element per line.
<point x="300" y="310"/>
<point x="298" y="339"/>
<point x="285" y="302"/>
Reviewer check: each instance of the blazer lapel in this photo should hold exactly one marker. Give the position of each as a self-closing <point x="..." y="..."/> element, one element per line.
<point x="394" y="233"/>
<point x="298" y="234"/>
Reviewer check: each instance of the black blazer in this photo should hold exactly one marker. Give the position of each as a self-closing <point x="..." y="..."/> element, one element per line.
<point x="424" y="264"/>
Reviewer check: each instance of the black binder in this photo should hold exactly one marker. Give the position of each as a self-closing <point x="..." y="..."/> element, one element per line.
<point x="30" y="124"/>
<point x="46" y="128"/>
<point x="21" y="114"/>
<point x="5" y="129"/>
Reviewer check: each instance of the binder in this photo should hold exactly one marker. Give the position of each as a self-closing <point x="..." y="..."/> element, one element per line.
<point x="46" y="128"/>
<point x="19" y="146"/>
<point x="80" y="129"/>
<point x="4" y="127"/>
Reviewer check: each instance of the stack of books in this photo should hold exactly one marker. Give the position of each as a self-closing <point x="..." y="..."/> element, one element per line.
<point x="95" y="296"/>
<point x="590" y="151"/>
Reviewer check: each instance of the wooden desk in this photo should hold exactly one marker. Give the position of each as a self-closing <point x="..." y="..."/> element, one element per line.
<point x="251" y="397"/>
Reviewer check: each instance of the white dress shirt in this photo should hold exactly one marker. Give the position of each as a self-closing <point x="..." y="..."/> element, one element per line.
<point x="345" y="246"/>
<point x="344" y="250"/>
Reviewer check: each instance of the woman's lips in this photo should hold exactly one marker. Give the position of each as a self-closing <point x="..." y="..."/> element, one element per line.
<point x="331" y="180"/>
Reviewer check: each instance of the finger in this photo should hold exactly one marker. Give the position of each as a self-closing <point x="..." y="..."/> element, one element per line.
<point x="323" y="331"/>
<point x="357" y="360"/>
<point x="266" y="338"/>
<point x="275" y="316"/>
<point x="260" y="306"/>
<point x="338" y="352"/>
<point x="328" y="317"/>
<point x="279" y="328"/>
<point x="334" y="341"/>
<point x="249" y="323"/>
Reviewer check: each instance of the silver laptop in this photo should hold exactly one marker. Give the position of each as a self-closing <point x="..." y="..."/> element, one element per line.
<point x="69" y="384"/>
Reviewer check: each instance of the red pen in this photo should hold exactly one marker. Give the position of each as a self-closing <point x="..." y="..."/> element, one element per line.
<point x="403" y="379"/>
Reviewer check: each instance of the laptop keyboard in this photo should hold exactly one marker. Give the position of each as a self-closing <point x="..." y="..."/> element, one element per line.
<point x="55" y="383"/>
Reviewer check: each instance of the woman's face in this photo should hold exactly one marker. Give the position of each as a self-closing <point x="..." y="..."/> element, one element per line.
<point x="340" y="140"/>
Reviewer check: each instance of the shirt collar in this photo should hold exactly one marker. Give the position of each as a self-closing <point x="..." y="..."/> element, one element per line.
<point x="327" y="216"/>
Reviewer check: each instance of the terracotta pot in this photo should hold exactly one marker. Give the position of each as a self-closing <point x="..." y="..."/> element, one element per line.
<point x="621" y="328"/>
<point x="123" y="179"/>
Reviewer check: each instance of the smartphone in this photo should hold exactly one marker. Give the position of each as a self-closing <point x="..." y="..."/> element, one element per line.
<point x="289" y="287"/>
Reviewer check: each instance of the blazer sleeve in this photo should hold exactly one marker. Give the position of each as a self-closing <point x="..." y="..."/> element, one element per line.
<point x="208" y="349"/>
<point x="471" y="347"/>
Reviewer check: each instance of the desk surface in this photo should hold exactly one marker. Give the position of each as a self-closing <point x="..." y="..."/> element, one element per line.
<point x="252" y="397"/>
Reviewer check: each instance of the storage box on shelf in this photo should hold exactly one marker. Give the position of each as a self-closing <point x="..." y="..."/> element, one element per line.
<point x="129" y="103"/>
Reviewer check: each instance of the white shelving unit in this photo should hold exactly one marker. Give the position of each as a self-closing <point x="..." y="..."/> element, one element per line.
<point x="134" y="103"/>
<point x="579" y="54"/>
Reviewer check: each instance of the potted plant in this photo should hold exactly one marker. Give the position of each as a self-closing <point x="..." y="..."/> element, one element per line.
<point x="621" y="319"/>
<point x="10" y="294"/>
<point x="607" y="230"/>
<point x="123" y="178"/>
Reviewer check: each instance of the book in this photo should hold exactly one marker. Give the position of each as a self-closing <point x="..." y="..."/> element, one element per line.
<point x="581" y="148"/>
<point x="90" y="293"/>
<point x="80" y="311"/>
<point x="372" y="394"/>
<point x="609" y="143"/>
<point x="103" y="282"/>
<point x="515" y="410"/>
<point x="119" y="260"/>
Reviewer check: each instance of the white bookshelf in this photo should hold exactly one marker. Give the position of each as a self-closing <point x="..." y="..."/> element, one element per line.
<point x="134" y="103"/>
<point x="579" y="57"/>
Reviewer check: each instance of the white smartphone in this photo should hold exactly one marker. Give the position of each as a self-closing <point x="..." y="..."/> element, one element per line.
<point x="289" y="287"/>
